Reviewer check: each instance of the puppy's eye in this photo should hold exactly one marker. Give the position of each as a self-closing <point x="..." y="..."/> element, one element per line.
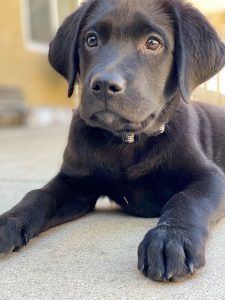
<point x="92" y="40"/>
<point x="153" y="44"/>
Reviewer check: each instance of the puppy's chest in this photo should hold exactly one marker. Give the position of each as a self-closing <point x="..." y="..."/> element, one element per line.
<point x="111" y="163"/>
<point x="144" y="197"/>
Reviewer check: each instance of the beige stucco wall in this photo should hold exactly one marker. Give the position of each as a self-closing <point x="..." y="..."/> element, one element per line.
<point x="20" y="67"/>
<point x="209" y="5"/>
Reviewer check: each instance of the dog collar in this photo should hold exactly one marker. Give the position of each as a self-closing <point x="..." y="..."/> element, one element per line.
<point x="131" y="138"/>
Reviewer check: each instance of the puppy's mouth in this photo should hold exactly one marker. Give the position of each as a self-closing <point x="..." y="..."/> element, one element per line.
<point x="119" y="125"/>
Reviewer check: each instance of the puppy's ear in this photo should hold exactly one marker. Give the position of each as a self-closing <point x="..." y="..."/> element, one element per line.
<point x="63" y="50"/>
<point x="200" y="53"/>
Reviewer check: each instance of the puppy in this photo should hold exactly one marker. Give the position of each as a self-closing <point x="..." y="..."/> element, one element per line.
<point x="136" y="137"/>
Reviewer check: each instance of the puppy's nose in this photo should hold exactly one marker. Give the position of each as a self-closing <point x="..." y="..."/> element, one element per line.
<point x="108" y="84"/>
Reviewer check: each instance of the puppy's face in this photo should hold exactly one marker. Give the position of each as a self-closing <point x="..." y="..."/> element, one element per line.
<point x="136" y="60"/>
<point x="126" y="65"/>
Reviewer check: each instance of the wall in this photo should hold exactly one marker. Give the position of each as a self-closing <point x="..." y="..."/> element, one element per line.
<point x="21" y="68"/>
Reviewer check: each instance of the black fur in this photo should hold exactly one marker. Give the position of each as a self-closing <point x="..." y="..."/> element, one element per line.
<point x="178" y="174"/>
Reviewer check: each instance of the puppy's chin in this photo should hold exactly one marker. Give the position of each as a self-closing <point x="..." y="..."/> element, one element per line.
<point x="118" y="125"/>
<point x="112" y="122"/>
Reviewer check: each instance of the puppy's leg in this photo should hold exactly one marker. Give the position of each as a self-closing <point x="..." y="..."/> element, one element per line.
<point x="62" y="200"/>
<point x="176" y="247"/>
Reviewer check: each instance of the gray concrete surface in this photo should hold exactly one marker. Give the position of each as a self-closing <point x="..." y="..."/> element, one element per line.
<point x="94" y="257"/>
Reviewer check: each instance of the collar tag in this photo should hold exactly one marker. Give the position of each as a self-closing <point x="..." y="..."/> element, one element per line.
<point x="129" y="138"/>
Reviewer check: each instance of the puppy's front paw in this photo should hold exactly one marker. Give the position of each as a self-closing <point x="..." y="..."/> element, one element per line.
<point x="171" y="253"/>
<point x="12" y="235"/>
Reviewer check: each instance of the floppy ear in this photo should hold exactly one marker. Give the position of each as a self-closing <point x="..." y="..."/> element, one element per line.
<point x="63" y="50"/>
<point x="200" y="53"/>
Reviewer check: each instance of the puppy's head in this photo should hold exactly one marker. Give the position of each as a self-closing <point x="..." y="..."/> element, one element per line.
<point x="134" y="58"/>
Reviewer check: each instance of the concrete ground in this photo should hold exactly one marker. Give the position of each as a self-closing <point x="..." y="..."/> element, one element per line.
<point x="94" y="257"/>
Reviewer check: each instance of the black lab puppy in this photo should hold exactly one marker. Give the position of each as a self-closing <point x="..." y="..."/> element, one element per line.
<point x="136" y="137"/>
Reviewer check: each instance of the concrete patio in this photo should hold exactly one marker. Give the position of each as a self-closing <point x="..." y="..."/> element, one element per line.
<point x="91" y="258"/>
